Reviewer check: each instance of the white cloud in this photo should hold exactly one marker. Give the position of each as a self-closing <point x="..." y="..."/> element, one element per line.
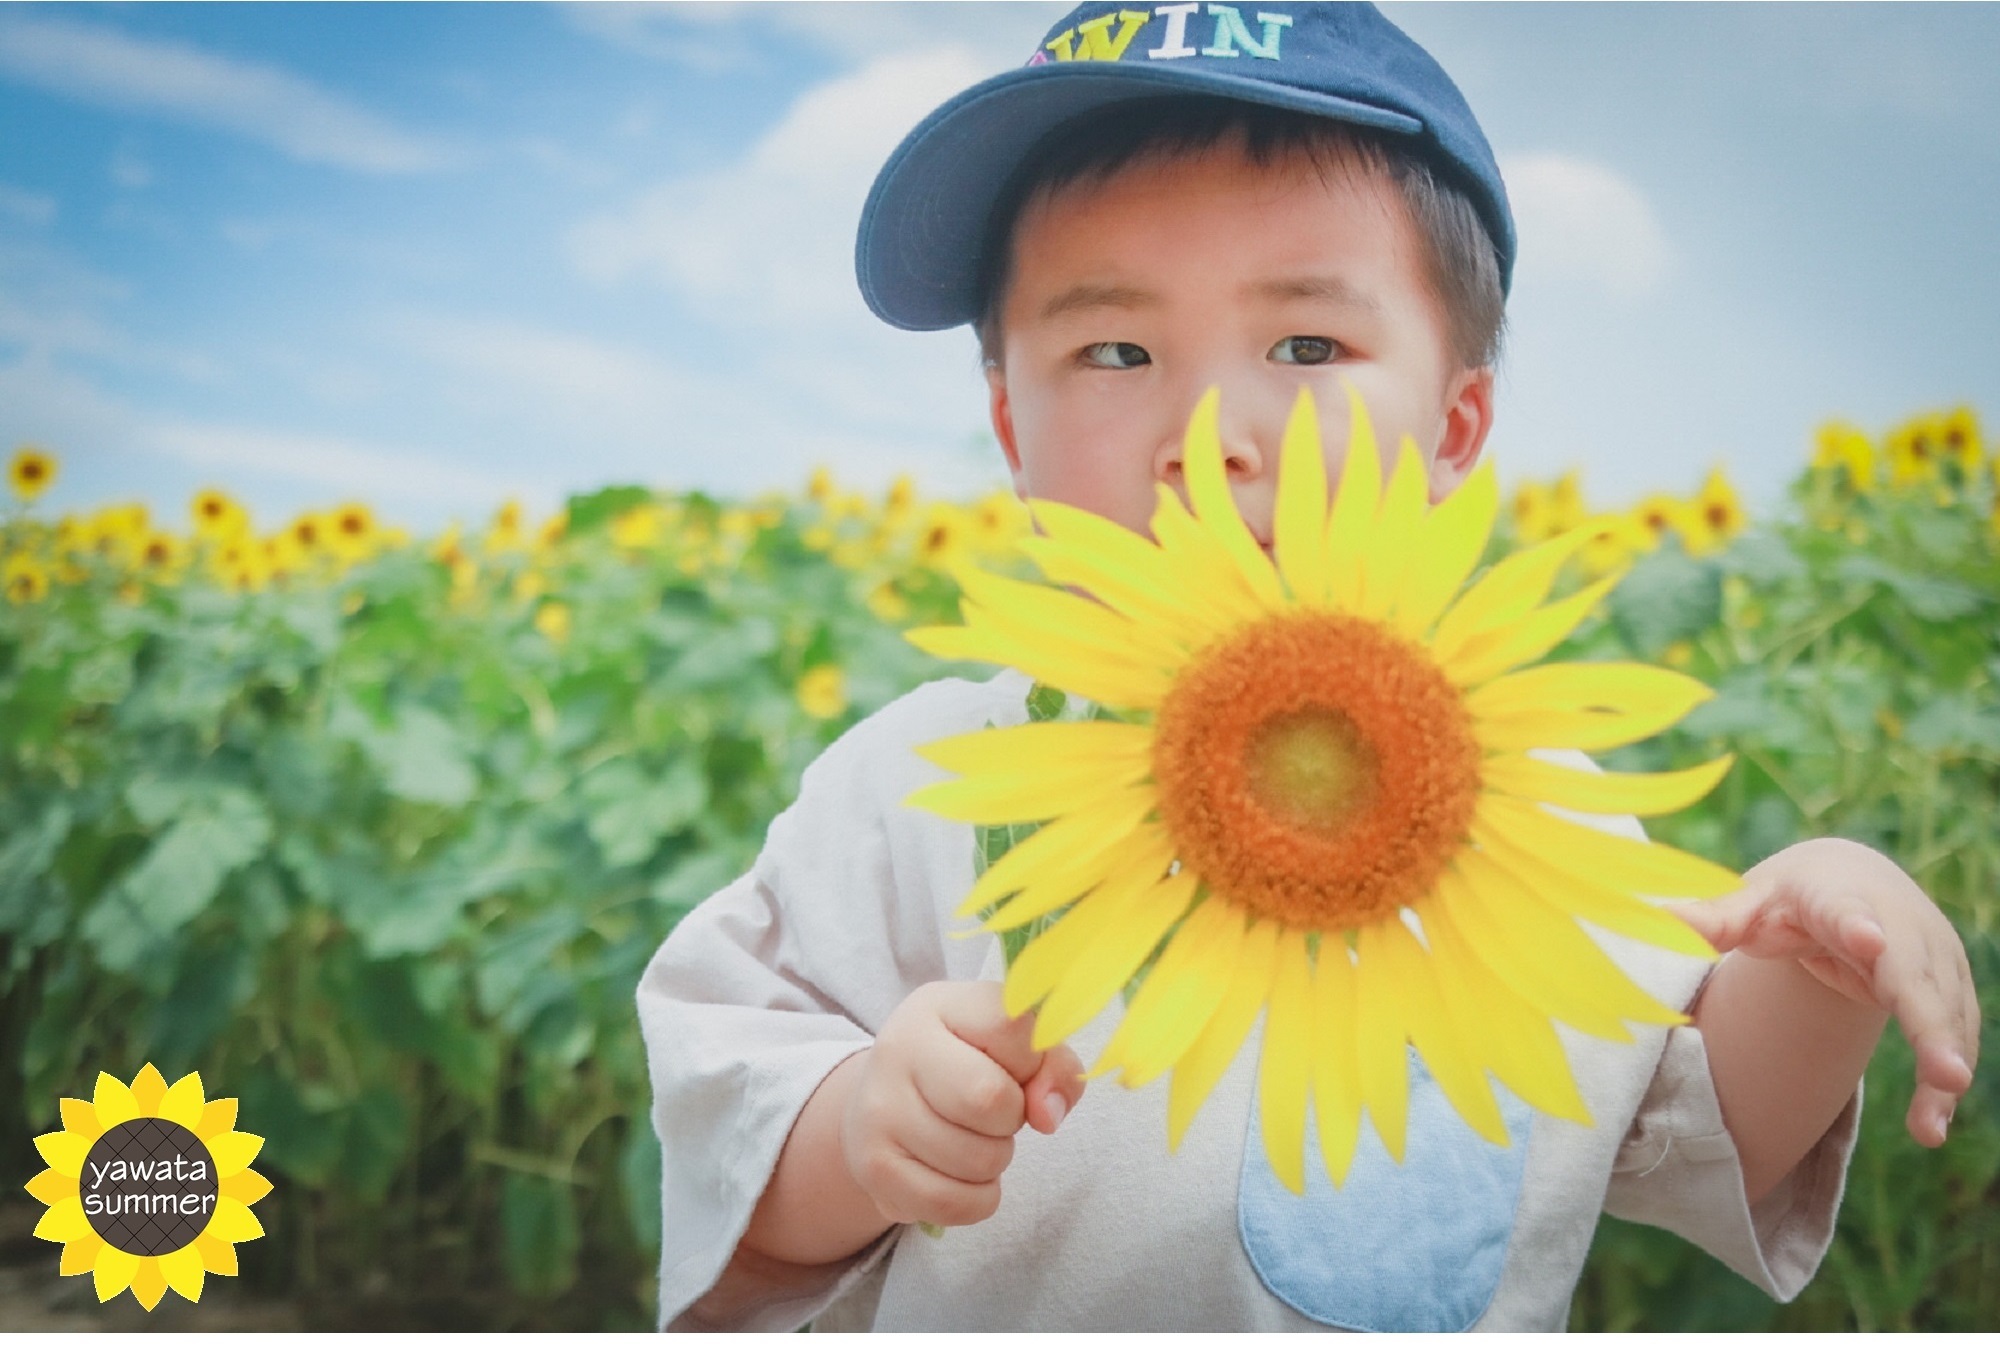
<point x="129" y="171"/>
<point x="723" y="36"/>
<point x="34" y="208"/>
<point x="263" y="103"/>
<point x="1582" y="221"/>
<point x="334" y="465"/>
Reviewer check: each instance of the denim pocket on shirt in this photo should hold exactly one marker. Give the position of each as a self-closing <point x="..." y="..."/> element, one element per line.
<point x="1409" y="1248"/>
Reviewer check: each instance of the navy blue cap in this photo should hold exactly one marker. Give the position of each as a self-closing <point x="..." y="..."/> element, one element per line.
<point x="925" y="223"/>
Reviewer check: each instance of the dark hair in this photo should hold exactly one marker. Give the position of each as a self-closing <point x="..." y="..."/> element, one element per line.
<point x="1461" y="264"/>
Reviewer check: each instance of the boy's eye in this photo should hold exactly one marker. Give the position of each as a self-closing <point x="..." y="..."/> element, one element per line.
<point x="1303" y="351"/>
<point x="1117" y="356"/>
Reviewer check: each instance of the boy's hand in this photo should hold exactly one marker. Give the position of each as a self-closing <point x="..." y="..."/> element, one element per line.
<point x="1858" y="923"/>
<point x="929" y="1126"/>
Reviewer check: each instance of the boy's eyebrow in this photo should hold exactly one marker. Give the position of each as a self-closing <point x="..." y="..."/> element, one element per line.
<point x="1097" y="296"/>
<point x="1335" y="289"/>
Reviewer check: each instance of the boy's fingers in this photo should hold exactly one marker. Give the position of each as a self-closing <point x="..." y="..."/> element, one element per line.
<point x="976" y="1015"/>
<point x="964" y="1085"/>
<point x="1055" y="1089"/>
<point x="1929" y="1118"/>
<point x="954" y="1151"/>
<point x="1727" y="921"/>
<point x="911" y="1190"/>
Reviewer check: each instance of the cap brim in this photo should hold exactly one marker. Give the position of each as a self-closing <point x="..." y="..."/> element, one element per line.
<point x="917" y="251"/>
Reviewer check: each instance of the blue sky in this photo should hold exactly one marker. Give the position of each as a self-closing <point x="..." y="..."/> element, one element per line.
<point x="434" y="256"/>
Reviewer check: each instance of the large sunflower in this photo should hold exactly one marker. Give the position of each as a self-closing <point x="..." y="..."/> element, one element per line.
<point x="148" y="1186"/>
<point x="1316" y="799"/>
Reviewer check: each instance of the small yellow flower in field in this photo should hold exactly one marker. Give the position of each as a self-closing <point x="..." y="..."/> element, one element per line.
<point x="1566" y="503"/>
<point x="1614" y="539"/>
<point x="820" y="487"/>
<point x="1533" y="513"/>
<point x="847" y="507"/>
<point x="24" y="579"/>
<point x="901" y="498"/>
<point x="529" y="584"/>
<point x="30" y="473"/>
<point x="464" y="579"/>
<point x="1842" y="447"/>
<point x="310" y="532"/>
<point x="240" y="565"/>
<point x="69" y="535"/>
<point x="551" y="532"/>
<point x="449" y="548"/>
<point x="351" y="530"/>
<point x="552" y="620"/>
<point x="822" y="692"/>
<point x="887" y="603"/>
<point x="219" y="517"/>
<point x="941" y="539"/>
<point x="283" y="557"/>
<point x="1679" y="654"/>
<point x="639" y="527"/>
<point x="1913" y="454"/>
<point x="1958" y="432"/>
<point x="161" y="553"/>
<point x="1656" y="514"/>
<point x="819" y="539"/>
<point x="1720" y="508"/>
<point x="1890" y="724"/>
<point x="504" y="535"/>
<point x="131" y="593"/>
<point x="853" y="555"/>
<point x="998" y="520"/>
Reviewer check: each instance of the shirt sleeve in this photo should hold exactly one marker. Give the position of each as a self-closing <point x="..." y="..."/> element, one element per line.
<point x="768" y="985"/>
<point x="1678" y="1169"/>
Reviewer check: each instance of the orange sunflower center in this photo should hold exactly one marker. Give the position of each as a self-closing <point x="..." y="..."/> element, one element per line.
<point x="1316" y="769"/>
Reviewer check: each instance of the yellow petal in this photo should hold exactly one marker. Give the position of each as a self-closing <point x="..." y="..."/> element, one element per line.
<point x="1511" y="588"/>
<point x="1381" y="1029"/>
<point x="148" y="1088"/>
<point x="1544" y="927"/>
<point x="1299" y="520"/>
<point x="1072" y="878"/>
<point x="1532" y="973"/>
<point x="183" y="1271"/>
<point x="234" y="1222"/>
<point x="1090" y="924"/>
<point x="1643" y="795"/>
<point x="1094" y="979"/>
<point x="1395" y="533"/>
<point x="219" y="1116"/>
<point x="1582" y="706"/>
<point x="1052" y="614"/>
<point x="1215" y="505"/>
<point x="1502" y="649"/>
<point x="1628" y="865"/>
<point x="183" y="1102"/>
<point x="80" y="1256"/>
<point x="246" y="1186"/>
<point x="1588" y="899"/>
<point x="217" y="1255"/>
<point x="233" y="1152"/>
<point x="1196" y="1073"/>
<point x="1451" y="1062"/>
<point x="1445" y="548"/>
<point x="1138" y="586"/>
<point x="1119" y="685"/>
<point x="1508" y="1033"/>
<point x="1350" y="524"/>
<point x="49" y="1187"/>
<point x="64" y="1152"/>
<point x="1284" y="1069"/>
<point x="149" y="1283"/>
<point x="1030" y="792"/>
<point x="1336" y="1070"/>
<point x="1201" y="564"/>
<point x="79" y="1116"/>
<point x="1069" y="861"/>
<point x="113" y="1102"/>
<point x="63" y="1221"/>
<point x="1059" y="862"/>
<point x="1002" y="750"/>
<point x="114" y="1272"/>
<point x="1180" y="995"/>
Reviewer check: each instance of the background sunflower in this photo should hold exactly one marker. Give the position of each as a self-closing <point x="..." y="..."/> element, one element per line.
<point x="1318" y="801"/>
<point x="121" y="1119"/>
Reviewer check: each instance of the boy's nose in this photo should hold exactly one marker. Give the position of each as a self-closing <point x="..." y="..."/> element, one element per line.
<point x="1242" y="461"/>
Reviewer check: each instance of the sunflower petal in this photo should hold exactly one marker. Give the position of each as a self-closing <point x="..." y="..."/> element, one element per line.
<point x="1195" y="1073"/>
<point x="1350" y="523"/>
<point x="80" y="1116"/>
<point x="1198" y="562"/>
<point x="1587" y="899"/>
<point x="1584" y="706"/>
<point x="1630" y="865"/>
<point x="233" y="1152"/>
<point x="149" y="1283"/>
<point x="1284" y="1068"/>
<point x="79" y="1256"/>
<point x="183" y="1270"/>
<point x="1336" y="1071"/>
<point x="1395" y="533"/>
<point x="114" y="1272"/>
<point x="1088" y="926"/>
<point x="183" y="1102"/>
<point x="49" y="1187"/>
<point x="217" y="1255"/>
<point x="1058" y="863"/>
<point x="1031" y="791"/>
<point x="219" y="1116"/>
<point x="63" y="1221"/>
<point x="1381" y="1035"/>
<point x="1531" y="972"/>
<point x="1215" y="505"/>
<point x="64" y="1151"/>
<point x="1444" y="550"/>
<point x="1139" y="587"/>
<point x="1507" y="1033"/>
<point x="1056" y="614"/>
<point x="1180" y="995"/>
<point x="234" y="1222"/>
<point x="1299" y="522"/>
<point x="148" y="1088"/>
<point x="1642" y="795"/>
<point x="1095" y="979"/>
<point x="113" y="1102"/>
<point x="246" y="1186"/>
<point x="1000" y="750"/>
<point x="1503" y="649"/>
<point x="1510" y="589"/>
<point x="1091" y="675"/>
<point x="1458" y="1074"/>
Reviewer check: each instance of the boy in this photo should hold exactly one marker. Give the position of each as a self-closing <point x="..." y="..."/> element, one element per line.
<point x="1313" y="203"/>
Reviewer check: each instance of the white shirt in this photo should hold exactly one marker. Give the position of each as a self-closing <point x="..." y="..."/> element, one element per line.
<point x="768" y="985"/>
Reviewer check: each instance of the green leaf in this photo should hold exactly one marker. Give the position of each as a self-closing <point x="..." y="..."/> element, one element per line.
<point x="188" y="862"/>
<point x="1665" y="598"/>
<point x="1045" y="703"/>
<point x="639" y="1179"/>
<point x="590" y="511"/>
<point x="538" y="1232"/>
<point x="632" y="814"/>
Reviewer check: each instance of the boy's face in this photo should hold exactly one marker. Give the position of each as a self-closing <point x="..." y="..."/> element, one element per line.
<point x="1130" y="297"/>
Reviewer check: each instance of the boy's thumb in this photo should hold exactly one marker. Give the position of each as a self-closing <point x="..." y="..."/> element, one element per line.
<point x="1054" y="1088"/>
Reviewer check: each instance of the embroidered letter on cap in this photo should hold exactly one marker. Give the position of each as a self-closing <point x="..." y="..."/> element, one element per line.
<point x="1229" y="31"/>
<point x="1096" y="40"/>
<point x="1174" y="44"/>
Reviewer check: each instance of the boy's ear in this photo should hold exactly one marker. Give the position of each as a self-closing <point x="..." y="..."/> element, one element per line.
<point x="1002" y="414"/>
<point x="1468" y="417"/>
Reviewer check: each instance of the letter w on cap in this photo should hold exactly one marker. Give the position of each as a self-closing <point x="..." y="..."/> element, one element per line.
<point x="1094" y="40"/>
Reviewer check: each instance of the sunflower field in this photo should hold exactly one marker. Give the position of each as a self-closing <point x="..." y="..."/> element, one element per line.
<point x="377" y="833"/>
